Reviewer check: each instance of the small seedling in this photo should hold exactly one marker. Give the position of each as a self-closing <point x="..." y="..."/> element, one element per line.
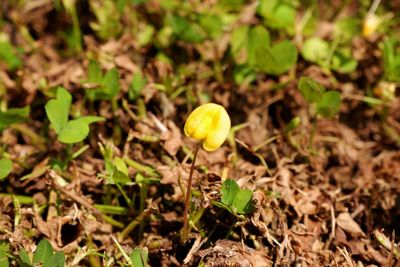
<point x="44" y="256"/>
<point x="329" y="55"/>
<point x="327" y="103"/>
<point x="107" y="85"/>
<point x="252" y="46"/>
<point x="210" y="124"/>
<point x="323" y="103"/>
<point x="68" y="131"/>
<point x="391" y="59"/>
<point x="234" y="199"/>
<point x="74" y="38"/>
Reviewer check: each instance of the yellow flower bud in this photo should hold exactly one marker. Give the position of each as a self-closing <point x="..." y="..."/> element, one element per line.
<point x="370" y="25"/>
<point x="209" y="123"/>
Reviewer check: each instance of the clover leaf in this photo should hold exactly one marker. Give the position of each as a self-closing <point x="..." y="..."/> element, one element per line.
<point x="327" y="102"/>
<point x="57" y="110"/>
<point x="234" y="199"/>
<point x="68" y="131"/>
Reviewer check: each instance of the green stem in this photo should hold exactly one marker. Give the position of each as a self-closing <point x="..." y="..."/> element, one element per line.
<point x="185" y="229"/>
<point x="133" y="224"/>
<point x="387" y="243"/>
<point x="76" y="30"/>
<point x="109" y="209"/>
<point x="144" y="188"/>
<point x="112" y="221"/>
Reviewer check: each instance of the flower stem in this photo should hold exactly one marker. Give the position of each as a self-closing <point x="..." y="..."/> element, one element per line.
<point x="185" y="230"/>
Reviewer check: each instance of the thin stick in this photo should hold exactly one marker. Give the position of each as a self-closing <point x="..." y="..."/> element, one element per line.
<point x="188" y="193"/>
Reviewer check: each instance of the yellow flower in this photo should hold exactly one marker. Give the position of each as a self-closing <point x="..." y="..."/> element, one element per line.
<point x="209" y="123"/>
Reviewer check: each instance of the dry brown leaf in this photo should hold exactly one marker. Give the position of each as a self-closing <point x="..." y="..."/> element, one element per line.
<point x="347" y="223"/>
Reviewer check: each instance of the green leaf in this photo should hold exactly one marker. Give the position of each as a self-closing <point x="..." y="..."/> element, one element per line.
<point x="212" y="25"/>
<point x="285" y="54"/>
<point x="186" y="30"/>
<point x="243" y="74"/>
<point x="90" y="119"/>
<point x="343" y="63"/>
<point x="229" y="190"/>
<point x="94" y="73"/>
<point x="43" y="252"/>
<point x="9" y="56"/>
<point x="223" y="206"/>
<point x="111" y="83"/>
<point x="4" y="251"/>
<point x="4" y="262"/>
<point x="5" y="168"/>
<point x="136" y="86"/>
<point x="23" y="255"/>
<point x="57" y="110"/>
<point x="56" y="260"/>
<point x="121" y="165"/>
<point x="242" y="203"/>
<point x="346" y="28"/>
<point x="139" y="257"/>
<point x="277" y="14"/>
<point x="115" y="176"/>
<point x="239" y="43"/>
<point x="13" y="115"/>
<point x="315" y="50"/>
<point x="259" y="42"/>
<point x="310" y="89"/>
<point x="74" y="132"/>
<point x="277" y="60"/>
<point x="329" y="105"/>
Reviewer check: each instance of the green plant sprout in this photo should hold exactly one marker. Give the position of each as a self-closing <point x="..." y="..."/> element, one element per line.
<point x="235" y="200"/>
<point x="252" y="46"/>
<point x="391" y="59"/>
<point x="68" y="131"/>
<point x="322" y="103"/>
<point x="325" y="103"/>
<point x="106" y="85"/>
<point x="44" y="256"/>
<point x="209" y="124"/>
<point x="74" y="38"/>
